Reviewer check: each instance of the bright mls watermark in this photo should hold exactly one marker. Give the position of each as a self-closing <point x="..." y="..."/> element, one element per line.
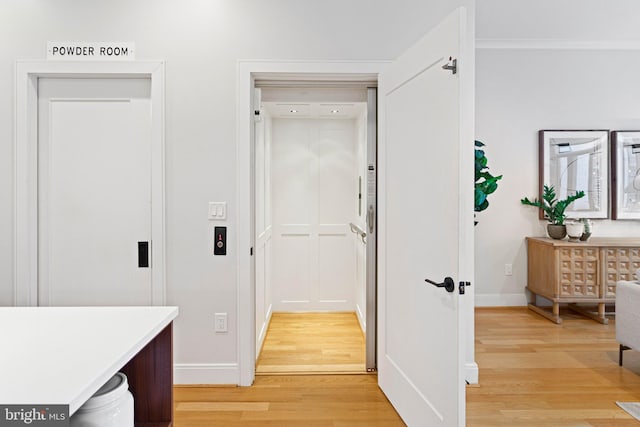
<point x="34" y="415"/>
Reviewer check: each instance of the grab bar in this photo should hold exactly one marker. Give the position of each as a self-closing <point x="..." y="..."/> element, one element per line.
<point x="358" y="231"/>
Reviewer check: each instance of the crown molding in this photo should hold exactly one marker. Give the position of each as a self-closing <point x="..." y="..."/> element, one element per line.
<point x="557" y="44"/>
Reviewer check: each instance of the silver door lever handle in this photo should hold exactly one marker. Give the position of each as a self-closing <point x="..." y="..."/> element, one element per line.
<point x="371" y="218"/>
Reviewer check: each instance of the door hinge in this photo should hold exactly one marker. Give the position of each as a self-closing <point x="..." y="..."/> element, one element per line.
<point x="452" y="65"/>
<point x="462" y="285"/>
<point x="251" y="251"/>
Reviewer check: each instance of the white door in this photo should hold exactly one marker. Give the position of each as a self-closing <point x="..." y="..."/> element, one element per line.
<point x="94" y="191"/>
<point x="426" y="142"/>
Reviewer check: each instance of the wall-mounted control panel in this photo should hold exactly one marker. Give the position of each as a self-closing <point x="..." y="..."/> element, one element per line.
<point x="220" y="244"/>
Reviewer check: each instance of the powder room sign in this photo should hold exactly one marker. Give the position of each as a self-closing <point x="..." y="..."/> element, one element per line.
<point x="91" y="51"/>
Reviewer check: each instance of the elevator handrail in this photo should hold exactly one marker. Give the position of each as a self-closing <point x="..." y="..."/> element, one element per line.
<point x="358" y="231"/>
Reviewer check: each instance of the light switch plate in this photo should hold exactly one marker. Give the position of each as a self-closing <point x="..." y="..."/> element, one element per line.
<point x="220" y="322"/>
<point x="217" y="210"/>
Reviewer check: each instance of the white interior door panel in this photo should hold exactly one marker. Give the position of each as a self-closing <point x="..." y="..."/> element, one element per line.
<point x="94" y="191"/>
<point x="420" y="358"/>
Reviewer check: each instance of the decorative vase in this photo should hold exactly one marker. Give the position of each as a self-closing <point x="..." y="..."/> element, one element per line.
<point x="556" y="231"/>
<point x="575" y="231"/>
<point x="588" y="224"/>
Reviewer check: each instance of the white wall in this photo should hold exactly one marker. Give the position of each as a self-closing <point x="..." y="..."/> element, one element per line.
<point x="568" y="20"/>
<point x="314" y="200"/>
<point x="518" y="92"/>
<point x="201" y="42"/>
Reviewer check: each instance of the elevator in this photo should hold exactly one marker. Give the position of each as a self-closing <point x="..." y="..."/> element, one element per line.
<point x="314" y="198"/>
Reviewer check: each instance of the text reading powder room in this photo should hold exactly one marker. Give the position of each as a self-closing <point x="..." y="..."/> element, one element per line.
<point x="90" y="51"/>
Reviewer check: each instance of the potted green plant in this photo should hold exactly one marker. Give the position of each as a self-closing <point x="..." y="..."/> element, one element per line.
<point x="553" y="209"/>
<point x="485" y="182"/>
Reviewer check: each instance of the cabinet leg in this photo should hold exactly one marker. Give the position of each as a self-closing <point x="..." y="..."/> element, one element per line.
<point x="599" y="317"/>
<point x="554" y="317"/>
<point x="602" y="313"/>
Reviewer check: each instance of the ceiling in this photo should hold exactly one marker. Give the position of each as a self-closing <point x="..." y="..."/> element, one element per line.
<point x="314" y="110"/>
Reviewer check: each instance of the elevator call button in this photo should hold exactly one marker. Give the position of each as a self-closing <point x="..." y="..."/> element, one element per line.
<point x="220" y="246"/>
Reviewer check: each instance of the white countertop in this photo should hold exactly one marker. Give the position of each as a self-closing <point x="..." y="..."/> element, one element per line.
<point x="63" y="355"/>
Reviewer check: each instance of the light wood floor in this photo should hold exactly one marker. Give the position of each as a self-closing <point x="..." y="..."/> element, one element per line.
<point x="312" y="342"/>
<point x="536" y="373"/>
<point x="532" y="373"/>
<point x="288" y="401"/>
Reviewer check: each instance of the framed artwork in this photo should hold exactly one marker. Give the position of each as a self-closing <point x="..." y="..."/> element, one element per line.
<point x="574" y="160"/>
<point x="625" y="175"/>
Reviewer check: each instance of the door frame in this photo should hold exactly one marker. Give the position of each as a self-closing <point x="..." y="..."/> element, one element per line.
<point x="27" y="74"/>
<point x="247" y="72"/>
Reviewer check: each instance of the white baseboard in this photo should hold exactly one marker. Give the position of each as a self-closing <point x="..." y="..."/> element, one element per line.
<point x="501" y="300"/>
<point x="361" y="319"/>
<point x="471" y="372"/>
<point x="206" y="373"/>
<point x="263" y="331"/>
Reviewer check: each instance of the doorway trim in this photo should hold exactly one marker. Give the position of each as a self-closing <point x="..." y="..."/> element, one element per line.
<point x="27" y="74"/>
<point x="247" y="72"/>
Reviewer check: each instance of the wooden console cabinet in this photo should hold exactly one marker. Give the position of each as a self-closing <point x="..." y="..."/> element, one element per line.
<point x="579" y="272"/>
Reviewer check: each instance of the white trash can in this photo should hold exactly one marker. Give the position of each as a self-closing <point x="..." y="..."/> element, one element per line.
<point x="111" y="406"/>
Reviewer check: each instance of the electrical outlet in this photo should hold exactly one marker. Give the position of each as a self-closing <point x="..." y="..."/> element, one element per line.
<point x="220" y="324"/>
<point x="508" y="269"/>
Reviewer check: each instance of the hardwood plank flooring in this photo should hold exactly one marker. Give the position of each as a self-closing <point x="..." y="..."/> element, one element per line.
<point x="312" y="343"/>
<point x="288" y="401"/>
<point x="536" y="373"/>
<point x="532" y="373"/>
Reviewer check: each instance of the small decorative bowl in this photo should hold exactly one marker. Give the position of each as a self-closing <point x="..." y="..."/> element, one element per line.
<point x="575" y="231"/>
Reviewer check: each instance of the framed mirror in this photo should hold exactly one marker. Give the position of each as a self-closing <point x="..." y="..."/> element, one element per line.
<point x="574" y="160"/>
<point x="625" y="175"/>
